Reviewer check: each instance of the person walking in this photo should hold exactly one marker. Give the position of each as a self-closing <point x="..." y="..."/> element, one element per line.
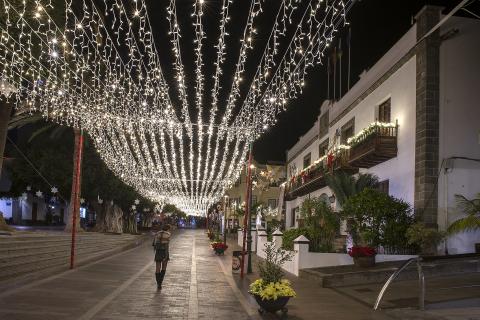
<point x="161" y="243"/>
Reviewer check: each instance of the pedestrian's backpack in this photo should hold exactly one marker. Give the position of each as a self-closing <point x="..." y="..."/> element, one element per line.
<point x="161" y="241"/>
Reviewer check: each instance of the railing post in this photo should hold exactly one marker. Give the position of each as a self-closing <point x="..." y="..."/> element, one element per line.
<point x="421" y="285"/>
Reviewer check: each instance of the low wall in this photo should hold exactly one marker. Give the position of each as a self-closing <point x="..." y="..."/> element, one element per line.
<point x="303" y="259"/>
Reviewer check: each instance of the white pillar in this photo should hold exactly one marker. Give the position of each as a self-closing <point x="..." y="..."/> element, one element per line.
<point x="261" y="241"/>
<point x="300" y="245"/>
<point x="278" y="238"/>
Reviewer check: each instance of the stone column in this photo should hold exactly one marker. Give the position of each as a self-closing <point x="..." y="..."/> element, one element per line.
<point x="427" y="116"/>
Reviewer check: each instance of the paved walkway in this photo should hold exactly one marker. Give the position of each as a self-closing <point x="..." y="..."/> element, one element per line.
<point x="198" y="285"/>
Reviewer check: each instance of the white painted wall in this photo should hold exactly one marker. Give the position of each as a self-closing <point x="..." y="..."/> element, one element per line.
<point x="459" y="124"/>
<point x="6" y="205"/>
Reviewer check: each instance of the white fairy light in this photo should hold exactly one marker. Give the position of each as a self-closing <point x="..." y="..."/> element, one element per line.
<point x="73" y="74"/>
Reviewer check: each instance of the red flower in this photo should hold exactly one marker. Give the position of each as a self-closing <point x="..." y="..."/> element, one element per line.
<point x="357" y="251"/>
<point x="219" y="245"/>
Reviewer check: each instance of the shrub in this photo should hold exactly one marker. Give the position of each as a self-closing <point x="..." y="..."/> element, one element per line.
<point x="426" y="239"/>
<point x="377" y="219"/>
<point x="321" y="223"/>
<point x="290" y="235"/>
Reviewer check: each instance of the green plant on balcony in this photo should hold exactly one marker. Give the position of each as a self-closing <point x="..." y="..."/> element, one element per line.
<point x="345" y="185"/>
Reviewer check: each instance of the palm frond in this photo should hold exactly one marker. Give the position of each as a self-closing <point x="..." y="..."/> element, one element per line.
<point x="41" y="130"/>
<point x="469" y="223"/>
<point x="470" y="207"/>
<point x="366" y="180"/>
<point x="23" y="119"/>
<point x="58" y="131"/>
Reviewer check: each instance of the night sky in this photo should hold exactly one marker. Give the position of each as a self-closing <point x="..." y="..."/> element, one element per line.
<point x="375" y="26"/>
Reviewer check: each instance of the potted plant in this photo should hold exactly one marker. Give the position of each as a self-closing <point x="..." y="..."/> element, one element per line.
<point x="272" y="291"/>
<point x="219" y="247"/>
<point x="427" y="239"/>
<point x="363" y="257"/>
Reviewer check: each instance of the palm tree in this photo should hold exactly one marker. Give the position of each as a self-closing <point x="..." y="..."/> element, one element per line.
<point x="345" y="185"/>
<point x="472" y="209"/>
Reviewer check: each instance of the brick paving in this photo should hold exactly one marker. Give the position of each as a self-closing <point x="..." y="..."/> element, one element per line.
<point x="198" y="285"/>
<point x="123" y="287"/>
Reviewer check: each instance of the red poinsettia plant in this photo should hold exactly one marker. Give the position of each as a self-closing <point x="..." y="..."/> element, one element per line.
<point x="358" y="251"/>
<point x="219" y="246"/>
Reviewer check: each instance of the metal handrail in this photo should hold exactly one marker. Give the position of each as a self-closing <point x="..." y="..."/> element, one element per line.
<point x="421" y="283"/>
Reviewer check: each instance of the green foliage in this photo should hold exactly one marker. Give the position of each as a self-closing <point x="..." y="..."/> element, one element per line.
<point x="51" y="152"/>
<point x="271" y="227"/>
<point x="427" y="239"/>
<point x="321" y="224"/>
<point x="271" y="268"/>
<point x="345" y="185"/>
<point x="272" y="290"/>
<point x="472" y="209"/>
<point x="377" y="219"/>
<point x="290" y="235"/>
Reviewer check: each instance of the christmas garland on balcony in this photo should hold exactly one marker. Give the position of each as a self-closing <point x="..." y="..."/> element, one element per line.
<point x="367" y="132"/>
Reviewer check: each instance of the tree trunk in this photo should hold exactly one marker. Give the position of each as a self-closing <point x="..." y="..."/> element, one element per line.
<point x="5" y="112"/>
<point x="76" y="183"/>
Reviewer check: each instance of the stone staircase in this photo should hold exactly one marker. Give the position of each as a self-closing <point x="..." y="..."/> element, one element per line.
<point x="349" y="275"/>
<point x="25" y="254"/>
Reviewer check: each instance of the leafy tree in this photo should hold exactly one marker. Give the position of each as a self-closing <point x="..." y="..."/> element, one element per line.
<point x="377" y="219"/>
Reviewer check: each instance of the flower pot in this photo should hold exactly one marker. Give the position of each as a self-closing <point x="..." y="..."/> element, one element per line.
<point x="219" y="251"/>
<point x="364" y="262"/>
<point x="272" y="306"/>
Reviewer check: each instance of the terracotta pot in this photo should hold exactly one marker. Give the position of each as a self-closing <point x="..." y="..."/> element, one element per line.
<point x="272" y="306"/>
<point x="364" y="262"/>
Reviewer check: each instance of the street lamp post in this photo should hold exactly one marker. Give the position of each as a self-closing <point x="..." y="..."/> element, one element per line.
<point x="225" y="219"/>
<point x="246" y="224"/>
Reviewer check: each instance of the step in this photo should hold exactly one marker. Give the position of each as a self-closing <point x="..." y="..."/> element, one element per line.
<point x="331" y="277"/>
<point x="26" y="247"/>
<point x="45" y="241"/>
<point x="58" y="262"/>
<point x="58" y="254"/>
<point x="53" y="251"/>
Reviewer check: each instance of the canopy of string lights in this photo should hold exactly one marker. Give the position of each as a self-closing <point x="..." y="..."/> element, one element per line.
<point x="95" y="65"/>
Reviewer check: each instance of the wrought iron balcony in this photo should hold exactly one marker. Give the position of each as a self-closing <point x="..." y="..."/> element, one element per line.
<point x="374" y="145"/>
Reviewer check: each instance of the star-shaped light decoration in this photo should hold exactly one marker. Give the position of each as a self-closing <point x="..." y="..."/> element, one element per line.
<point x="82" y="201"/>
<point x="29" y="188"/>
<point x="24" y="196"/>
<point x="137" y="201"/>
<point x="39" y="194"/>
<point x="134" y="207"/>
<point x="54" y="189"/>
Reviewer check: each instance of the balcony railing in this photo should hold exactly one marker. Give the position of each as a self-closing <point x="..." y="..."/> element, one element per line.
<point x="306" y="182"/>
<point x="374" y="145"/>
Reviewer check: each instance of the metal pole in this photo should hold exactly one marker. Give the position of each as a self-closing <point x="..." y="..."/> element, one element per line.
<point x="421" y="286"/>
<point x="225" y="219"/>
<point x="249" y="234"/>
<point x="247" y="204"/>
<point x="76" y="197"/>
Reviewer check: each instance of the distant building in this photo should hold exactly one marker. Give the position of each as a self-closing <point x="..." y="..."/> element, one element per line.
<point x="412" y="120"/>
<point x="267" y="179"/>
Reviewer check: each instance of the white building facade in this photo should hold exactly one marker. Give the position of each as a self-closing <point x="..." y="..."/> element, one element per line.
<point x="421" y="99"/>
